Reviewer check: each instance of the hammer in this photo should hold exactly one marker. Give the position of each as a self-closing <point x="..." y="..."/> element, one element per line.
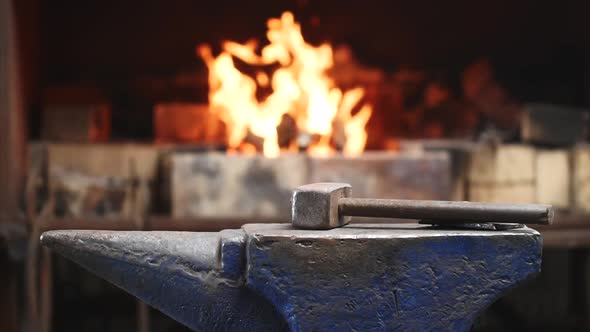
<point x="329" y="205"/>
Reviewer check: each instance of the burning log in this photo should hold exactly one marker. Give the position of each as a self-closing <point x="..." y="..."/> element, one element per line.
<point x="348" y="72"/>
<point x="251" y="143"/>
<point x="287" y="131"/>
<point x="187" y="123"/>
<point x="298" y="87"/>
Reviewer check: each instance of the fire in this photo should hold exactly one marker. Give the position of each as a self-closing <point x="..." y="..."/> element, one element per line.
<point x="300" y="88"/>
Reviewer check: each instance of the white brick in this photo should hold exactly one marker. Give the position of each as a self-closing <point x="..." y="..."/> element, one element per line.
<point x="553" y="178"/>
<point x="582" y="177"/>
<point x="504" y="173"/>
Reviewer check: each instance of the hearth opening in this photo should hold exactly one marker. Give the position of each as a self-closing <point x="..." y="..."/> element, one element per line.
<point x="300" y="75"/>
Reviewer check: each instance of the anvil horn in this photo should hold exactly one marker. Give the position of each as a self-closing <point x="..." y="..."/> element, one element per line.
<point x="196" y="278"/>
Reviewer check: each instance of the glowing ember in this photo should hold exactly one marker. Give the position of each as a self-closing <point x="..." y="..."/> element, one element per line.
<point x="300" y="88"/>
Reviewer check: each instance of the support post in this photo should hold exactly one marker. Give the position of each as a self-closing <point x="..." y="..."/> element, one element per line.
<point x="12" y="133"/>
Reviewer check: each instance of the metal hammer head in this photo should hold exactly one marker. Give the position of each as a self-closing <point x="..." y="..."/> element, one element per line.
<point x="315" y="206"/>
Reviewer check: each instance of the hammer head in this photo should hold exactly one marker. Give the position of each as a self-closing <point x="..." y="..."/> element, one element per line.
<point x="315" y="206"/>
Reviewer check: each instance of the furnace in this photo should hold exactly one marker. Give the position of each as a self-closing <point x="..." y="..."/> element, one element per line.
<point x="205" y="116"/>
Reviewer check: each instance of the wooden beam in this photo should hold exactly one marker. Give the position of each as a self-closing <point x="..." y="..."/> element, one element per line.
<point x="12" y="133"/>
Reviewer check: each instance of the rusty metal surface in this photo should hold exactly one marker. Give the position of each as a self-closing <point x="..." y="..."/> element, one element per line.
<point x="269" y="277"/>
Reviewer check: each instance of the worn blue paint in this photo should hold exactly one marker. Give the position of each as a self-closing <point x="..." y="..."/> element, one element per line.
<point x="271" y="277"/>
<point x="398" y="284"/>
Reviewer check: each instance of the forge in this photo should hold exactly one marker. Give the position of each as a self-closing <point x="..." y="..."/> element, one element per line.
<point x="285" y="108"/>
<point x="204" y="116"/>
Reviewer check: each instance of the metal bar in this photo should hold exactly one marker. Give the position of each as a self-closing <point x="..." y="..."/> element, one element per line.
<point x="447" y="211"/>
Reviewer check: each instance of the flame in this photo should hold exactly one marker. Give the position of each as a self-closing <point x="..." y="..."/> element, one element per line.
<point x="300" y="88"/>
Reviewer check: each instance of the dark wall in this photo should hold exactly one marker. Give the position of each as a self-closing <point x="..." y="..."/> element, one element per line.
<point x="97" y="39"/>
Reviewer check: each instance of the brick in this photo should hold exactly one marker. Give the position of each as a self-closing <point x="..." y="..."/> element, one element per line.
<point x="504" y="173"/>
<point x="502" y="164"/>
<point x="517" y="193"/>
<point x="76" y="123"/>
<point x="581" y="183"/>
<point x="424" y="175"/>
<point x="553" y="125"/>
<point x="459" y="152"/>
<point x="102" y="180"/>
<point x="218" y="185"/>
<point x="553" y="185"/>
<point x="115" y="160"/>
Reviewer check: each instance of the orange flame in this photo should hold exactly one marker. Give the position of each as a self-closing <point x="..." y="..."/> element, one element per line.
<point x="300" y="88"/>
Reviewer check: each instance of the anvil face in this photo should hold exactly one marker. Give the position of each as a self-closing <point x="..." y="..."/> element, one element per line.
<point x="272" y="277"/>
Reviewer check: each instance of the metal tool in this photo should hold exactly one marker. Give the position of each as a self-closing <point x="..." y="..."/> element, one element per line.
<point x="271" y="277"/>
<point x="329" y="205"/>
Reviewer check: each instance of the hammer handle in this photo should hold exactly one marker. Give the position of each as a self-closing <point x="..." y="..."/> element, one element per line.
<point x="447" y="211"/>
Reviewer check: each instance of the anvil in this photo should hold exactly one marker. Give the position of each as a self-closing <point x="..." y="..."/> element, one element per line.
<point x="270" y="277"/>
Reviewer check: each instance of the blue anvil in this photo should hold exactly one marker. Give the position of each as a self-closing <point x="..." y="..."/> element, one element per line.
<point x="270" y="277"/>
